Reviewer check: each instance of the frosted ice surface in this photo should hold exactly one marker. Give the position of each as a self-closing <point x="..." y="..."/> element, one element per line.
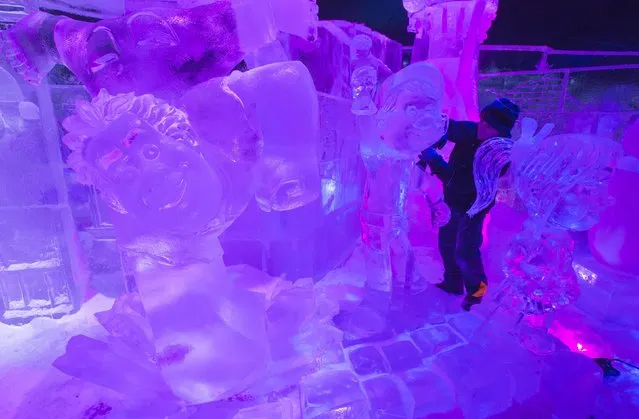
<point x="389" y="397"/>
<point x="282" y="409"/>
<point x="368" y="360"/>
<point x="452" y="47"/>
<point x="432" y="391"/>
<point x="571" y="380"/>
<point x="434" y="340"/>
<point x="402" y="355"/>
<point x="333" y="394"/>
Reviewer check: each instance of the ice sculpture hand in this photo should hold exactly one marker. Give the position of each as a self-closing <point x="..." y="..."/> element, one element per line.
<point x="242" y="116"/>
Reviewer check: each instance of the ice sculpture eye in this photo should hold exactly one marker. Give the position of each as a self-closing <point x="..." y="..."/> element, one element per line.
<point x="151" y="152"/>
<point x="150" y="30"/>
<point x="103" y="49"/>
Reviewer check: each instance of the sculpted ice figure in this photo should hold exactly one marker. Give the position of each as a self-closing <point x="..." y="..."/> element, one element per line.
<point x="408" y="121"/>
<point x="448" y="35"/>
<point x="160" y="50"/>
<point x="562" y="181"/>
<point x="174" y="184"/>
<point x="171" y="198"/>
<point x="367" y="71"/>
<point x="249" y="109"/>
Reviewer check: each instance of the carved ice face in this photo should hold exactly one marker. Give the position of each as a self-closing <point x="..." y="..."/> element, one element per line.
<point x="152" y="177"/>
<point x="411" y="119"/>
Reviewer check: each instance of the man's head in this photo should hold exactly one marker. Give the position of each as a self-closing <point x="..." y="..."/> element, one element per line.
<point x="497" y="119"/>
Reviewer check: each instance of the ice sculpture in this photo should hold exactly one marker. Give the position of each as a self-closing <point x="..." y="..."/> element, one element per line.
<point x="615" y="240"/>
<point x="448" y="35"/>
<point x="409" y="120"/>
<point x="174" y="183"/>
<point x="160" y="51"/>
<point x="562" y="181"/>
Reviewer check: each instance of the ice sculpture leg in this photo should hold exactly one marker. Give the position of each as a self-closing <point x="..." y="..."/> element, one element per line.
<point x="390" y="140"/>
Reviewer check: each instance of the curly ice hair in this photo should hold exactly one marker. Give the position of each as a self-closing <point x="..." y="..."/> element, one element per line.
<point x="491" y="161"/>
<point x="93" y="117"/>
<point x="555" y="165"/>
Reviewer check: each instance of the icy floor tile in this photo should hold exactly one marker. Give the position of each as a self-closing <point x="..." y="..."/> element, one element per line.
<point x="432" y="391"/>
<point x="572" y="381"/>
<point x="368" y="360"/>
<point x="466" y="324"/>
<point x="402" y="355"/>
<point x="389" y="398"/>
<point x="331" y="391"/>
<point x="434" y="340"/>
<point x="282" y="409"/>
<point x="356" y="410"/>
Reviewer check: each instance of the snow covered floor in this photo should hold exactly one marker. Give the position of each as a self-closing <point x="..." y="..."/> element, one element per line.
<point x="425" y="358"/>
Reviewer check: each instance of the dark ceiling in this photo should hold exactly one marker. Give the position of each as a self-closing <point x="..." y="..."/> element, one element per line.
<point x="561" y="24"/>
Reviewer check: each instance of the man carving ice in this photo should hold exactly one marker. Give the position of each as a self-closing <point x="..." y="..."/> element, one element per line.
<point x="460" y="240"/>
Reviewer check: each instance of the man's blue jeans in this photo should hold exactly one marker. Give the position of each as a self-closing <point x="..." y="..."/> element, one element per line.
<point x="459" y="245"/>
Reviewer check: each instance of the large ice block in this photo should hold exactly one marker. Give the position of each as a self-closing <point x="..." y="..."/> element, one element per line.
<point x="322" y="234"/>
<point x="615" y="240"/>
<point x="329" y="59"/>
<point x="448" y="35"/>
<point x="41" y="267"/>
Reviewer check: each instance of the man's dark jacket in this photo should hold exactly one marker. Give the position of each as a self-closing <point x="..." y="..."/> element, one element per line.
<point x="457" y="175"/>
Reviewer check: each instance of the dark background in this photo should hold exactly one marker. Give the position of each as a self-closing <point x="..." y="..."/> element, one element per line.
<point x="560" y="24"/>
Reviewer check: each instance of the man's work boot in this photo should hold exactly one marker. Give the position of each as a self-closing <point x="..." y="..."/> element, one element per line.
<point x="448" y="288"/>
<point x="474" y="298"/>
